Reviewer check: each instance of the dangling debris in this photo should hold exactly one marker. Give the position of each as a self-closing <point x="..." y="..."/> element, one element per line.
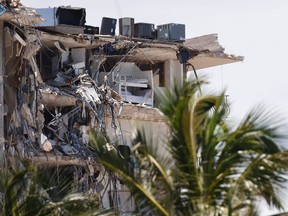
<point x="45" y="144"/>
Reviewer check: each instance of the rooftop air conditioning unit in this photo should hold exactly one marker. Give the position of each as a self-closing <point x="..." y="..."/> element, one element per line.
<point x="171" y="32"/>
<point x="144" y="30"/>
<point x="108" y="26"/>
<point x="66" y="20"/>
<point x="126" y="26"/>
<point x="62" y="15"/>
<point x="71" y="16"/>
<point x="91" y="30"/>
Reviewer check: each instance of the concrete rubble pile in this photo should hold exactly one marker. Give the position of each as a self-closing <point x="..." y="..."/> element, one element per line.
<point x="50" y="103"/>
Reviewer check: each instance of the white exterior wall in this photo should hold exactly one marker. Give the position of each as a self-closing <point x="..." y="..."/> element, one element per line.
<point x="173" y="73"/>
<point x="132" y="117"/>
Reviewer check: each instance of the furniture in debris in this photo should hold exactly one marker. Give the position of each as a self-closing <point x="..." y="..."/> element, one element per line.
<point x="132" y="84"/>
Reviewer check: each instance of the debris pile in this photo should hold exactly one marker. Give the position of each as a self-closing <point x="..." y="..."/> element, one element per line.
<point x="51" y="101"/>
<point x="59" y="86"/>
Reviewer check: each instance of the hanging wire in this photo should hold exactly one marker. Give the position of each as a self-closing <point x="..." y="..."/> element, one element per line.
<point x="148" y="59"/>
<point x="122" y="59"/>
<point x="196" y="76"/>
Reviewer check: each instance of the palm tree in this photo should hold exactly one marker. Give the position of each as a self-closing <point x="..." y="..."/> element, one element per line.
<point x="31" y="191"/>
<point x="207" y="166"/>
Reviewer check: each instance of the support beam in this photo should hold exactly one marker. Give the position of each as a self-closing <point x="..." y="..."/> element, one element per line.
<point x="52" y="100"/>
<point x="173" y="73"/>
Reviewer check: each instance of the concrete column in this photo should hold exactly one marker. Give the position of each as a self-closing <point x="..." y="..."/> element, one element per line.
<point x="173" y="73"/>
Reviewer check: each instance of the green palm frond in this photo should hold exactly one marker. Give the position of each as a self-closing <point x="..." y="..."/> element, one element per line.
<point x="19" y="192"/>
<point x="148" y="172"/>
<point x="246" y="161"/>
<point x="34" y="192"/>
<point x="211" y="167"/>
<point x="74" y="204"/>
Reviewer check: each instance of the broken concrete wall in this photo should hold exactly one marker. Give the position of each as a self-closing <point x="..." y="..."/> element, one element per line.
<point x="21" y="82"/>
<point x="51" y="105"/>
<point x="56" y="99"/>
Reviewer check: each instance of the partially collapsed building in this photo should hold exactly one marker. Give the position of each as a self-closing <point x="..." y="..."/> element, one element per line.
<point x="59" y="80"/>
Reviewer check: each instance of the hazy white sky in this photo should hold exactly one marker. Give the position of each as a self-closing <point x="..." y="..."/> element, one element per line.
<point x="255" y="29"/>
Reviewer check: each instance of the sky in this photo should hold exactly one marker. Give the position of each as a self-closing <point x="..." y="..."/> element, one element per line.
<point x="254" y="29"/>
